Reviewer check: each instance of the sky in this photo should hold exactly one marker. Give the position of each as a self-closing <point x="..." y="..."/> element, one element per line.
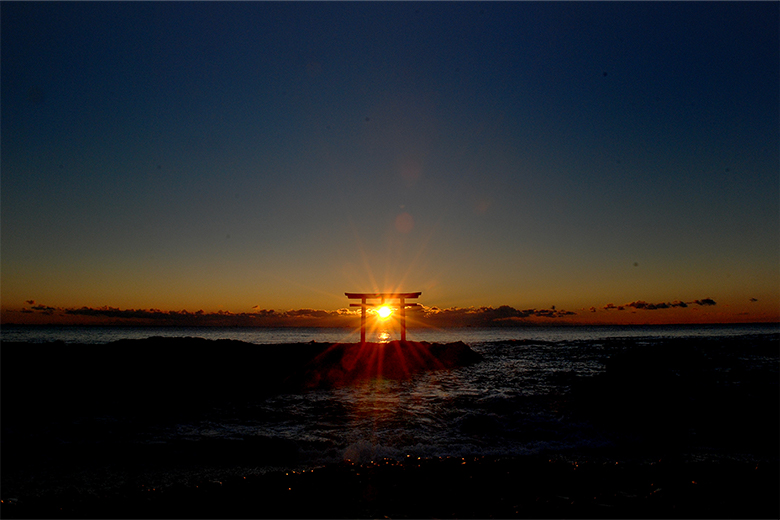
<point x="599" y="162"/>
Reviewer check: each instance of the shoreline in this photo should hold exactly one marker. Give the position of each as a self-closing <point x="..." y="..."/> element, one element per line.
<point x="527" y="487"/>
<point x="679" y="428"/>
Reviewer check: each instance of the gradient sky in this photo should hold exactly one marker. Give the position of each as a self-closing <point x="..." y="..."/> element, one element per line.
<point x="240" y="156"/>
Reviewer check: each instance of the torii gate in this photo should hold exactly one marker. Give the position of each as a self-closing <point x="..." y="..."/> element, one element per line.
<point x="402" y="305"/>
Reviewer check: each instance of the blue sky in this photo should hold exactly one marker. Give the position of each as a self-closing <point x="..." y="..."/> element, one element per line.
<point x="226" y="156"/>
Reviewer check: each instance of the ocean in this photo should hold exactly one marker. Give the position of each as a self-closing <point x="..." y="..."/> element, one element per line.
<point x="573" y="393"/>
<point x="469" y="335"/>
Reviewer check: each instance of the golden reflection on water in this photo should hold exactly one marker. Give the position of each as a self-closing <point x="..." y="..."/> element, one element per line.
<point x="387" y="414"/>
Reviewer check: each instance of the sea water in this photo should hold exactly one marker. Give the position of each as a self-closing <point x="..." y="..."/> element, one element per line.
<point x="510" y="404"/>
<point x="469" y="335"/>
<point x="504" y="406"/>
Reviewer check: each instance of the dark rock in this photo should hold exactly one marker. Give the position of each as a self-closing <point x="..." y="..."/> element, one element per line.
<point x="169" y="377"/>
<point x="341" y="364"/>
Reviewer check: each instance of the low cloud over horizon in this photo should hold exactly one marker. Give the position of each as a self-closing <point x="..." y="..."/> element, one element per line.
<point x="421" y="315"/>
<point x="643" y="305"/>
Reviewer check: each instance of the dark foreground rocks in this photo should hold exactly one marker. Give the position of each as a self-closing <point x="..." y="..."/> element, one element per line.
<point x="443" y="488"/>
<point x="346" y="363"/>
<point x="174" y="376"/>
<point x="675" y="395"/>
<point x="723" y="394"/>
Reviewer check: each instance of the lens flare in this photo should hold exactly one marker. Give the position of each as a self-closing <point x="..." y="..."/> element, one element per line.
<point x="384" y="312"/>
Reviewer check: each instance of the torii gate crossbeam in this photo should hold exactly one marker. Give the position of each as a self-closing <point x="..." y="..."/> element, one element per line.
<point x="402" y="305"/>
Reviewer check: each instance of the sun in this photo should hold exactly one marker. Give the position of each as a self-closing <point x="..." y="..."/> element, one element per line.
<point x="384" y="312"/>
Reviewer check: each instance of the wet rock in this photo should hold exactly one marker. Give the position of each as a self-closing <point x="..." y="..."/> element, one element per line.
<point x="170" y="377"/>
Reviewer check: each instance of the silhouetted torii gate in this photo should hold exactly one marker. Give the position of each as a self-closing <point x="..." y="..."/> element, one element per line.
<point x="402" y="305"/>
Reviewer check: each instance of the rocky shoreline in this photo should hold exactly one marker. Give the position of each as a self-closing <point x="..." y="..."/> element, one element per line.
<point x="442" y="488"/>
<point x="668" y="393"/>
<point x="178" y="375"/>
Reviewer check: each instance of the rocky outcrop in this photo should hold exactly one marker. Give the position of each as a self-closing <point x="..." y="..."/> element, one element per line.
<point x="345" y="363"/>
<point x="166" y="377"/>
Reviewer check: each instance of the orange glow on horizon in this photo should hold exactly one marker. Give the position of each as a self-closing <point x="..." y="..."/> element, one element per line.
<point x="725" y="311"/>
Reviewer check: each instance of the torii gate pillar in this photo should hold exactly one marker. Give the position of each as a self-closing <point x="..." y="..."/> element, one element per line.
<point x="402" y="305"/>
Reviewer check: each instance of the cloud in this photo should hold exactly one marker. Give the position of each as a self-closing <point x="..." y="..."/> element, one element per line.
<point x="114" y="312"/>
<point x="257" y="317"/>
<point x="257" y="311"/>
<point x="483" y="316"/>
<point x="643" y="305"/>
<point x="308" y="313"/>
<point x="43" y="309"/>
<point x="420" y="315"/>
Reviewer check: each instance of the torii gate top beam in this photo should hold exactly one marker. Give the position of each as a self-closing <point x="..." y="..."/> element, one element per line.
<point x="383" y="295"/>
